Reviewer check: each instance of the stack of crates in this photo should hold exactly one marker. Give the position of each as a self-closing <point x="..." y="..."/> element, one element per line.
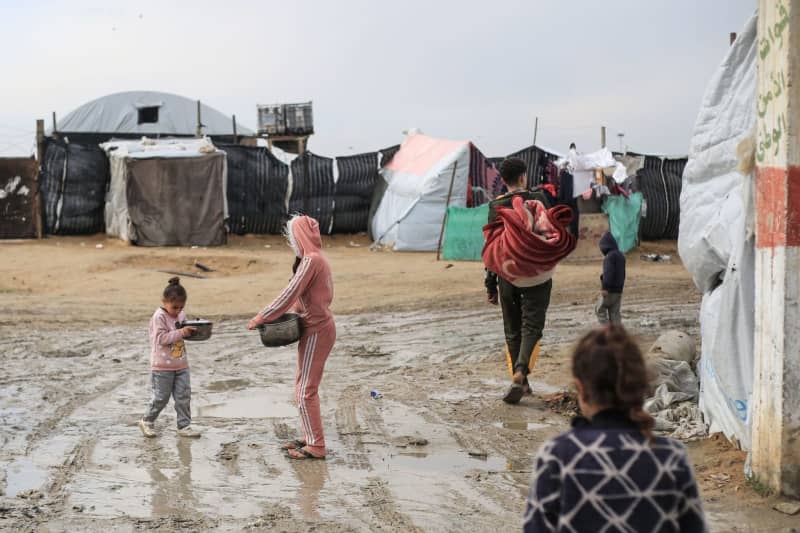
<point x="286" y="119"/>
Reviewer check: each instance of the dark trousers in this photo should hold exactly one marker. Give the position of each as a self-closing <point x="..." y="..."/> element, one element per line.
<point x="608" y="308"/>
<point x="524" y="312"/>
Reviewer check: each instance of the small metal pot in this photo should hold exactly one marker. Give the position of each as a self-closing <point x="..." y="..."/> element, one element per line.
<point x="202" y="329"/>
<point x="284" y="331"/>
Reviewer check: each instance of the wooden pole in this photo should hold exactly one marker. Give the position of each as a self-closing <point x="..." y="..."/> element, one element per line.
<point x="199" y="132"/>
<point x="37" y="197"/>
<point x="235" y="137"/>
<point x="602" y="136"/>
<point x="55" y="127"/>
<point x="535" y="130"/>
<point x="446" y="205"/>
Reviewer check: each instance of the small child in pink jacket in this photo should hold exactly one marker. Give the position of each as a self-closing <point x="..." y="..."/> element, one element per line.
<point x="168" y="363"/>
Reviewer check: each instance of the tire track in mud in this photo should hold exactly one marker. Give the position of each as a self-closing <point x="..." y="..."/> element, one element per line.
<point x="350" y="431"/>
<point x="381" y="504"/>
<point x="62" y="412"/>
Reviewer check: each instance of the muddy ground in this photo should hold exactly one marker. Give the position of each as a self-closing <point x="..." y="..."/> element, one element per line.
<point x="438" y="452"/>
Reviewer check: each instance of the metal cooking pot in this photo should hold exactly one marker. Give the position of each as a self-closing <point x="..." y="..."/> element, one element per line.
<point x="284" y="331"/>
<point x="202" y="329"/>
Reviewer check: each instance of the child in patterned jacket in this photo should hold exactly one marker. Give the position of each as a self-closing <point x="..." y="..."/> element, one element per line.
<point x="610" y="473"/>
<point x="169" y="366"/>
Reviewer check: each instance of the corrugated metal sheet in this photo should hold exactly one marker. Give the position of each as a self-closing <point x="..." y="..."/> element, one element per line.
<point x="313" y="195"/>
<point x="257" y="187"/>
<point x="358" y="175"/>
<point x="18" y="190"/>
<point x="73" y="180"/>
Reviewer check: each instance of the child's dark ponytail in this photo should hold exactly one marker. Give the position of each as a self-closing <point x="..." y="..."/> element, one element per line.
<point x="612" y="370"/>
<point x="174" y="291"/>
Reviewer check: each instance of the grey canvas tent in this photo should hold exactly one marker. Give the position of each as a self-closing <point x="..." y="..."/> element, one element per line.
<point x="134" y="114"/>
<point x="167" y="193"/>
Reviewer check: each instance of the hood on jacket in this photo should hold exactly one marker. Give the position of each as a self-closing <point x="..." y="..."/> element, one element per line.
<point x="303" y="235"/>
<point x="608" y="243"/>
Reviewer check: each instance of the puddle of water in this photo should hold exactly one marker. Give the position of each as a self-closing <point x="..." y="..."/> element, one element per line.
<point x="22" y="475"/>
<point x="455" y="396"/>
<point x="227" y="385"/>
<point x="441" y="462"/>
<point x="520" y="425"/>
<point x="249" y="403"/>
<point x="169" y="475"/>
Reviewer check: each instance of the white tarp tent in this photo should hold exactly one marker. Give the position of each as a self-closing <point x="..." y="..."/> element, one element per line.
<point x="118" y="219"/>
<point x="147" y="113"/>
<point x="716" y="240"/>
<point x="409" y="217"/>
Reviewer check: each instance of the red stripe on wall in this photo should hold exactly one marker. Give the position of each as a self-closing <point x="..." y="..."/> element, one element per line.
<point x="777" y="207"/>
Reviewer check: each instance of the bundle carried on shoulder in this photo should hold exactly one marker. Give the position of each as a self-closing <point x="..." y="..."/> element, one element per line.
<point x="527" y="240"/>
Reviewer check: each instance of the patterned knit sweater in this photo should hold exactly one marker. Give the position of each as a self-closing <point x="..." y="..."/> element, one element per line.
<point x="605" y="476"/>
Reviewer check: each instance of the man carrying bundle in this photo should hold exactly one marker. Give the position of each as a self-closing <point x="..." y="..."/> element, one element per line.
<point x="525" y="240"/>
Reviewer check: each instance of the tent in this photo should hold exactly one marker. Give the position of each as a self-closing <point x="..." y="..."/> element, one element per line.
<point x="424" y="177"/>
<point x="138" y="113"/>
<point x="716" y="238"/>
<point x="167" y="192"/>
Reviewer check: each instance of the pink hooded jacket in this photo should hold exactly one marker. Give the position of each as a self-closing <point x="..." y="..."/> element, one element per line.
<point x="312" y="284"/>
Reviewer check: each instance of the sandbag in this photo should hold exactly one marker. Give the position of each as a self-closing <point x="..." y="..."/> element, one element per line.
<point x="675" y="346"/>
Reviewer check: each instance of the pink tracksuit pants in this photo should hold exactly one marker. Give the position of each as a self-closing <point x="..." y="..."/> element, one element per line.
<point x="312" y="353"/>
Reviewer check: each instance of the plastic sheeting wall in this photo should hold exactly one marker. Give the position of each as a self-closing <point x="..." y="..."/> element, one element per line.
<point x="484" y="179"/>
<point x="18" y="189"/>
<point x="535" y="159"/>
<point x="313" y="195"/>
<point x="358" y="175"/>
<point x="661" y="189"/>
<point x="463" y="234"/>
<point x="716" y="244"/>
<point x="73" y="181"/>
<point x="176" y="201"/>
<point x="257" y="186"/>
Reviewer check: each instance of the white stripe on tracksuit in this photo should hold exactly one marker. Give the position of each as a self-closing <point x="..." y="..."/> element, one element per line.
<point x="288" y="291"/>
<point x="308" y="358"/>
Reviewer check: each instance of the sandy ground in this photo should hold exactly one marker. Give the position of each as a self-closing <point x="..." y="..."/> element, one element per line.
<point x="439" y="451"/>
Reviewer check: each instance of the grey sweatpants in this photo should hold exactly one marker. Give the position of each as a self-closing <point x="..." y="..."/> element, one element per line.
<point x="168" y="383"/>
<point x="609" y="308"/>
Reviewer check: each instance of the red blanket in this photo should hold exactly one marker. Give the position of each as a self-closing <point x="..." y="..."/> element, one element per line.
<point x="526" y="241"/>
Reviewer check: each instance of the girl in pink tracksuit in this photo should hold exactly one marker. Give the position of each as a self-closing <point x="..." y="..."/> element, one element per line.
<point x="310" y="291"/>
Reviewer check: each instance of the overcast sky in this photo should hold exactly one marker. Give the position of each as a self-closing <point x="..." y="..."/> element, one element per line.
<point x="471" y="70"/>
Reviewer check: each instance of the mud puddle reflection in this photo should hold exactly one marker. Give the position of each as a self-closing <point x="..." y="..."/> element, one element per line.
<point x="273" y="402"/>
<point x="173" y="475"/>
<point x="23" y="475"/>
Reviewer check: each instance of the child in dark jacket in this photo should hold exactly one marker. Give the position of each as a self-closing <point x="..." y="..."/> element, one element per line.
<point x="610" y="473"/>
<point x="612" y="281"/>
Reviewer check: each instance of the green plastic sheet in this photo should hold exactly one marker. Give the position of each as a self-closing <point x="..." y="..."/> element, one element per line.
<point x="624" y="215"/>
<point x="463" y="233"/>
